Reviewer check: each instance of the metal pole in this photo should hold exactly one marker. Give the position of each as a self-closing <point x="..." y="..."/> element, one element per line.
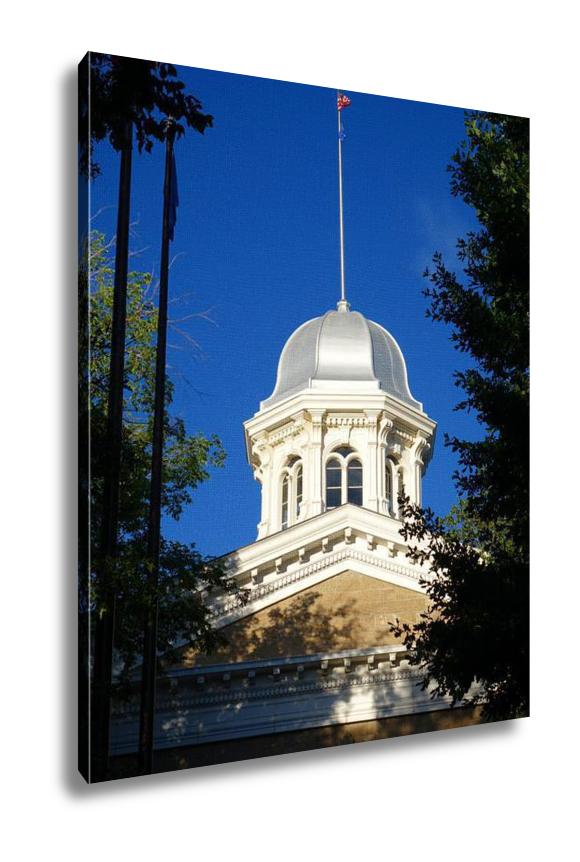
<point x="105" y="619"/>
<point x="148" y="679"/>
<point x="342" y="288"/>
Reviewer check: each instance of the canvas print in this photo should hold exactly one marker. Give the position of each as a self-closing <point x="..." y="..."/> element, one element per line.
<point x="303" y="417"/>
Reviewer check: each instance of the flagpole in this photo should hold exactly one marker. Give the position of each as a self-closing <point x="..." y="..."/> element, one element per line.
<point x="342" y="288"/>
<point x="149" y="670"/>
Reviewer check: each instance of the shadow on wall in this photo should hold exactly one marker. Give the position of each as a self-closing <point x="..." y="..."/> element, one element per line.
<point x="298" y="626"/>
<point x="229" y="751"/>
<point x="342" y="706"/>
<point x="346" y="611"/>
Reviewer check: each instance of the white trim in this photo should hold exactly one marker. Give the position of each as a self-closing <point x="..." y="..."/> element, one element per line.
<point x="313" y="573"/>
<point x="351" y="401"/>
<point x="310" y="532"/>
<point x="188" y="718"/>
<point x="262" y="665"/>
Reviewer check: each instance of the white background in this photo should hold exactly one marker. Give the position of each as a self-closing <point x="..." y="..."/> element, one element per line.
<point x="497" y="792"/>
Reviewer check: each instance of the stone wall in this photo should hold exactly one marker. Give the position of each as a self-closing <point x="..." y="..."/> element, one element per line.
<point x="347" y="611"/>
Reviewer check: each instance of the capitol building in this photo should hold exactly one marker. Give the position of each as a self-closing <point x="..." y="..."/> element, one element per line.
<point x="310" y="658"/>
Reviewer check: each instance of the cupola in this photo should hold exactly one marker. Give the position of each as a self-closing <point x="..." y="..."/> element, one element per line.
<point x="341" y="426"/>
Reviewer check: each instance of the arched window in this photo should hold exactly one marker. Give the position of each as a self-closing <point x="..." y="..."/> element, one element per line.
<point x="298" y="489"/>
<point x="391" y="485"/>
<point x="285" y="496"/>
<point x="344" y="478"/>
<point x="291" y="492"/>
<point x="389" y="482"/>
<point x="400" y="483"/>
<point x="333" y="483"/>
<point x="354" y="482"/>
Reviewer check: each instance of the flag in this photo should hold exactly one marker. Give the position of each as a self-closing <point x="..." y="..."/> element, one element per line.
<point x="341" y="134"/>
<point x="342" y="101"/>
<point x="173" y="198"/>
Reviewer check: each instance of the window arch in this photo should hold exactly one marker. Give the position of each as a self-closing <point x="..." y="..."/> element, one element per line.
<point x="344" y="451"/>
<point x="291" y="492"/>
<point x="344" y="478"/>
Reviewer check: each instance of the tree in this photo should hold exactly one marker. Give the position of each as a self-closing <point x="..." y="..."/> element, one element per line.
<point x="183" y="612"/>
<point x="128" y="91"/>
<point x="476" y="626"/>
<point x="126" y="95"/>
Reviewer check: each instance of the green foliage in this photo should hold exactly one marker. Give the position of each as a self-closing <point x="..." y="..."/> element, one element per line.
<point x="477" y="624"/>
<point x="144" y="92"/>
<point x="187" y="459"/>
<point x="186" y="580"/>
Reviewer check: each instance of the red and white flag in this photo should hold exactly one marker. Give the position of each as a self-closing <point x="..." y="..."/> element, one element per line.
<point x="342" y="101"/>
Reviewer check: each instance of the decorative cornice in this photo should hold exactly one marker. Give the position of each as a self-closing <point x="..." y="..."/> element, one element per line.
<point x="308" y="533"/>
<point x="318" y="402"/>
<point x="345" y="420"/>
<point x="402" y="434"/>
<point x="281" y="690"/>
<point x="260" y="591"/>
<point x="278" y="690"/>
<point x="421" y="449"/>
<point x="292" y="429"/>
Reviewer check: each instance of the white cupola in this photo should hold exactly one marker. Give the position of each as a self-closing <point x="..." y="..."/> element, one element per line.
<point x="341" y="425"/>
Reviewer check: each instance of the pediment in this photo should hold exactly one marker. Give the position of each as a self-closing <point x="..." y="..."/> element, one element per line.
<point x="348" y="610"/>
<point x="345" y="556"/>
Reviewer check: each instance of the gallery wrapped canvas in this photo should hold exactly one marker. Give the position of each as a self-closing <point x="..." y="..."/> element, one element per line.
<point x="325" y="292"/>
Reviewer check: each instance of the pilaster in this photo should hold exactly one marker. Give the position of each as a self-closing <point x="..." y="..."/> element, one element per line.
<point x="372" y="485"/>
<point x="316" y="503"/>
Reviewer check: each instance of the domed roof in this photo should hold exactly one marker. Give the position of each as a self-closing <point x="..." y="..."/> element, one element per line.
<point x="326" y="352"/>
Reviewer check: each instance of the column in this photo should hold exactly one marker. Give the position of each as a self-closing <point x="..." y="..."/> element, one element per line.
<point x="381" y="482"/>
<point x="419" y="447"/>
<point x="263" y="474"/>
<point x="418" y="465"/>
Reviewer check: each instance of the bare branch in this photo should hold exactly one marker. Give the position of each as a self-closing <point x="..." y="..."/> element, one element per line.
<point x="138" y="251"/>
<point x="188" y="337"/>
<point x="204" y="315"/>
<point x="174" y="258"/>
<point x="133" y="225"/>
<point x="188" y="382"/>
<point x="182" y="296"/>
<point x="101" y="210"/>
<point x="106" y="247"/>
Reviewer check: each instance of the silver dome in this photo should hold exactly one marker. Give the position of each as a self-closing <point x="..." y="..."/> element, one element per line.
<point x="341" y="346"/>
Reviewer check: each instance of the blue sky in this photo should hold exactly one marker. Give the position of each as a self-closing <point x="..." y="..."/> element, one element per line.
<point x="256" y="245"/>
